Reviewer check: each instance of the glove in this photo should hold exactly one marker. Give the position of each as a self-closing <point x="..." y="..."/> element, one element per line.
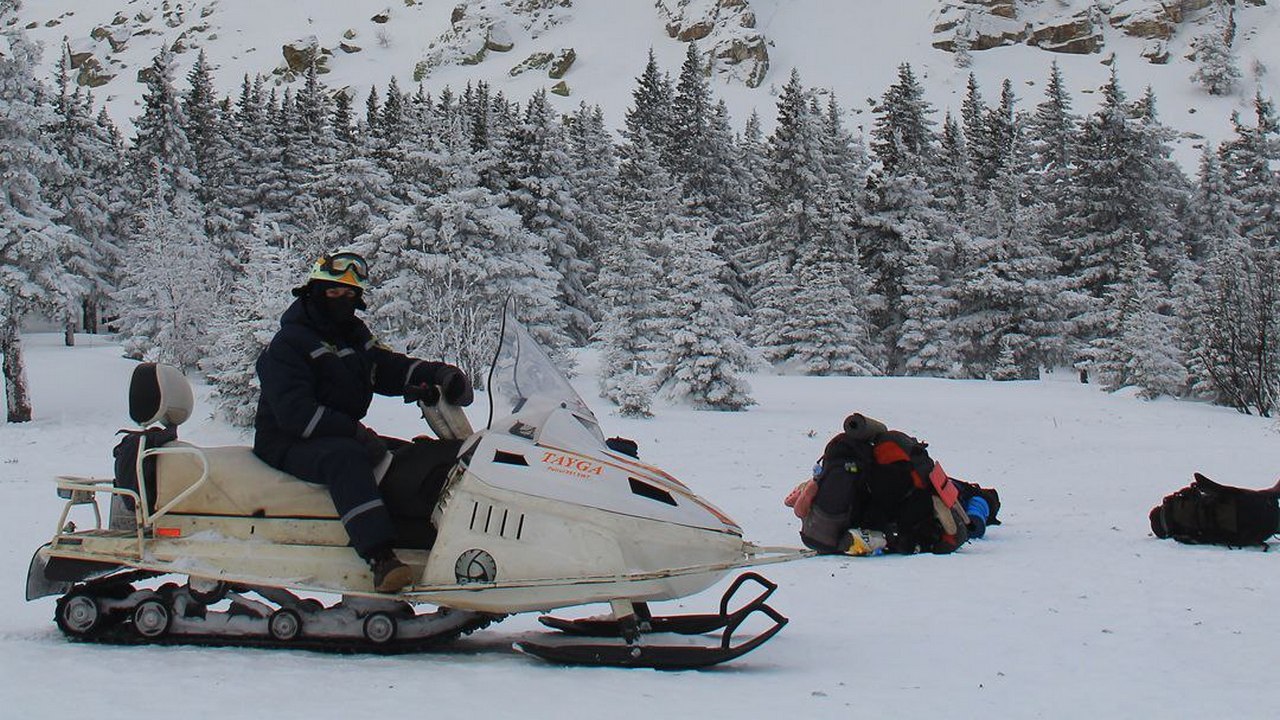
<point x="374" y="446"/>
<point x="800" y="500"/>
<point x="455" y="386"/>
<point x="429" y="394"/>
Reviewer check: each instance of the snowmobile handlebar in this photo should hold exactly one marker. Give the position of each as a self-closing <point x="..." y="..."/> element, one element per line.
<point x="447" y="421"/>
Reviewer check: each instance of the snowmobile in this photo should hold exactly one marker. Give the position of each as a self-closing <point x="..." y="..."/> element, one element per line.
<point x="540" y="512"/>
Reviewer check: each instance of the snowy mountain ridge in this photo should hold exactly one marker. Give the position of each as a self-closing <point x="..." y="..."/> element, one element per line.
<point x="589" y="50"/>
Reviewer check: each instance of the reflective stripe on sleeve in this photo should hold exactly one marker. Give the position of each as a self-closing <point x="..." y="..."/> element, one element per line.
<point x="409" y="374"/>
<point x="360" y="510"/>
<point x="315" y="420"/>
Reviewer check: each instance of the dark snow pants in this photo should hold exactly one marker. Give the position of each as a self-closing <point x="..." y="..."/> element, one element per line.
<point x="342" y="465"/>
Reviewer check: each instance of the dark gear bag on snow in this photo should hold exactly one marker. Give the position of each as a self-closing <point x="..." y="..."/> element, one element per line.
<point x="1206" y="512"/>
<point x="873" y="478"/>
<point x="126" y="461"/>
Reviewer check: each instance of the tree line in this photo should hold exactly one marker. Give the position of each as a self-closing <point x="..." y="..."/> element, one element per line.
<point x="993" y="243"/>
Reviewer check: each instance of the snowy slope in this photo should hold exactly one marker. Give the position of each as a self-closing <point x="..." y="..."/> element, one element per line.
<point x="852" y="47"/>
<point x="1069" y="610"/>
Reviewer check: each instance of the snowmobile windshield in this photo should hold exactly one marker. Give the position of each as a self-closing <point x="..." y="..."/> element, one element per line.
<point x="524" y="380"/>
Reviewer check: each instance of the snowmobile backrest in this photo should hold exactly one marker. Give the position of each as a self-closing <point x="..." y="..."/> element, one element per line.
<point x="159" y="393"/>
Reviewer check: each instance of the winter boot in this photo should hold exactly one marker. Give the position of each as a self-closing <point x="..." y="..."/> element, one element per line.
<point x="389" y="574"/>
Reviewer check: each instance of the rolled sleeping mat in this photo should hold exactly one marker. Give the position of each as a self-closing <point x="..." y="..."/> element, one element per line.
<point x="861" y="427"/>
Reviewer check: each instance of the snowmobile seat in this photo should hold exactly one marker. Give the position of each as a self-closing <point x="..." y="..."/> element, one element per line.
<point x="239" y="484"/>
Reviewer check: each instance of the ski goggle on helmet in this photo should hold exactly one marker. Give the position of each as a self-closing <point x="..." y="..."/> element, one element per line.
<point x="347" y="268"/>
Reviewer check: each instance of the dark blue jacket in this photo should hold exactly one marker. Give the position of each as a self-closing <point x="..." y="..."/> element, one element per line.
<point x="318" y="381"/>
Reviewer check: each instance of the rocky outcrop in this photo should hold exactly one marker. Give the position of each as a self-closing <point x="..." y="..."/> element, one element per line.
<point x="480" y="27"/>
<point x="726" y="31"/>
<point x="300" y="54"/>
<point x="561" y="63"/>
<point x="1068" y="26"/>
<point x="1079" y="34"/>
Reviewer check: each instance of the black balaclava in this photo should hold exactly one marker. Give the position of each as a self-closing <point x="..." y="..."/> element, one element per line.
<point x="339" y="311"/>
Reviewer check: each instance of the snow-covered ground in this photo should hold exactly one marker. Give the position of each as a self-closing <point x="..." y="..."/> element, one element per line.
<point x="1071" y="609"/>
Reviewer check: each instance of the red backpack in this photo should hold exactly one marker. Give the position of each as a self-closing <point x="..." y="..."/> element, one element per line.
<point x="891" y="447"/>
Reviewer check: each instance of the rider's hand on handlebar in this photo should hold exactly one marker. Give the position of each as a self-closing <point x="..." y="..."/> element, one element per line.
<point x="426" y="392"/>
<point x="456" y="387"/>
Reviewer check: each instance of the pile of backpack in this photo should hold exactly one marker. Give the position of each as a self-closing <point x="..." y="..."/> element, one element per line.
<point x="876" y="490"/>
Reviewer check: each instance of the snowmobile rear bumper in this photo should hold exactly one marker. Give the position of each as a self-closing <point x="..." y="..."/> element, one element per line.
<point x="55" y="575"/>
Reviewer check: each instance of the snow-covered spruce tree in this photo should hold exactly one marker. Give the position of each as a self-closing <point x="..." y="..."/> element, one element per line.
<point x="351" y="191"/>
<point x="1231" y="323"/>
<point x="628" y="294"/>
<point x="1051" y="134"/>
<point x="900" y="209"/>
<point x="634" y="330"/>
<point x="537" y="162"/>
<point x="166" y="298"/>
<point x="903" y="131"/>
<point x="1007" y="323"/>
<point x="593" y="179"/>
<point x="257" y="299"/>
<point x="1141" y="351"/>
<point x="1212" y="216"/>
<point x="86" y="201"/>
<point x="1120" y="193"/>
<point x="446" y="264"/>
<point x="705" y="357"/>
<point x="160" y="154"/>
<point x="825" y="330"/>
<point x="954" y="181"/>
<point x="1168" y="189"/>
<point x="651" y="110"/>
<point x="1232" y="317"/>
<point x="32" y="242"/>
<point x="209" y="130"/>
<point x="973" y="115"/>
<point x="925" y="346"/>
<point x="1248" y="162"/>
<point x="703" y="156"/>
<point x="1211" y="226"/>
<point x="800" y="210"/>
<point x="1217" y="67"/>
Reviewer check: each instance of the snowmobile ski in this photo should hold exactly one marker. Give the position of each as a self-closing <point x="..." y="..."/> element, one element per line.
<point x="680" y="624"/>
<point x="641" y="653"/>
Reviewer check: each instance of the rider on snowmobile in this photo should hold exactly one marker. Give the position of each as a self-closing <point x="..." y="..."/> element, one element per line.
<point x="318" y="376"/>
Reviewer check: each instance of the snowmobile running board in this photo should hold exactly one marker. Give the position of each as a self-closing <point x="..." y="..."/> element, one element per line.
<point x="630" y="650"/>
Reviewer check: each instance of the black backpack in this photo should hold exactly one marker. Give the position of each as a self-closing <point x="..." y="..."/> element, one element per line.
<point x="126" y="460"/>
<point x="1206" y="512"/>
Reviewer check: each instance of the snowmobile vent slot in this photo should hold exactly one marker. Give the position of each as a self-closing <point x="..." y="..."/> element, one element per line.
<point x="507" y="458"/>
<point x="492" y="520"/>
<point x="644" y="489"/>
